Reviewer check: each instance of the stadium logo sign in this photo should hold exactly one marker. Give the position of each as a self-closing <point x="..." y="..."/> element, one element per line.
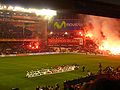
<point x="73" y="24"/>
<point x="64" y="24"/>
<point x="58" y="25"/>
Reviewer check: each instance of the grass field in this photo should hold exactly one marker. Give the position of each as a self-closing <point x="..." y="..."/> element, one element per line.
<point x="13" y="69"/>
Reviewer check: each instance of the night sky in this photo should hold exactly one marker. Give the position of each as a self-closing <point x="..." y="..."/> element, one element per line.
<point x="91" y="7"/>
<point x="117" y="2"/>
<point x="50" y="3"/>
<point x="35" y="3"/>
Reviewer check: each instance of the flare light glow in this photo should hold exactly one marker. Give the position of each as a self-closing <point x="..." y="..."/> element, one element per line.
<point x="47" y="13"/>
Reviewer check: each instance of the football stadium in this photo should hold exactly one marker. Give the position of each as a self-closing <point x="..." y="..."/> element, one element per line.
<point x="46" y="50"/>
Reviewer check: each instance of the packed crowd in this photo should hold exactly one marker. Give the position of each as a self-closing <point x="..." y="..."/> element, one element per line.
<point x="76" y="84"/>
<point x="12" y="48"/>
<point x="52" y="70"/>
<point x="56" y="87"/>
<point x="9" y="31"/>
<point x="8" y="48"/>
<point x="88" y="82"/>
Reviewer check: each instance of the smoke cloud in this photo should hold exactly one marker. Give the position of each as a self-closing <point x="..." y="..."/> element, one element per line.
<point x="105" y="31"/>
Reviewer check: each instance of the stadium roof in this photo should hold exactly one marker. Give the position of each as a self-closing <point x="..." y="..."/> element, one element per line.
<point x="110" y="8"/>
<point x="45" y="13"/>
<point x="116" y="2"/>
<point x="39" y="3"/>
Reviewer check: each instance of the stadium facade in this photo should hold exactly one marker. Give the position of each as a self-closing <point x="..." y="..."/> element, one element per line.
<point x="66" y="32"/>
<point x="20" y="31"/>
<point x="26" y="32"/>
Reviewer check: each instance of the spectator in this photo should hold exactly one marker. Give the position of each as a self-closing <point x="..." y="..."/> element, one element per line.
<point x="100" y="68"/>
<point x="83" y="68"/>
<point x="57" y="87"/>
<point x="37" y="88"/>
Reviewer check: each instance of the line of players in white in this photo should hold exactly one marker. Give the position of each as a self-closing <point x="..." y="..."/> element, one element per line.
<point x="58" y="69"/>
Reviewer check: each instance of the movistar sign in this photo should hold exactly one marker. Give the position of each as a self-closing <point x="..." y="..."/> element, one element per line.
<point x="65" y="25"/>
<point x="61" y="25"/>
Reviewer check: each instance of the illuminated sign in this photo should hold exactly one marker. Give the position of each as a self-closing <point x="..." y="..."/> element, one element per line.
<point x="62" y="41"/>
<point x="65" y="24"/>
<point x="60" y="25"/>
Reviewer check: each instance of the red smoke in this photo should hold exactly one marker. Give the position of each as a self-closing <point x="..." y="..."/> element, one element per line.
<point x="105" y="32"/>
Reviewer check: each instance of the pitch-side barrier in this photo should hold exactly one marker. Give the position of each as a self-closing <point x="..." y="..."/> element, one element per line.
<point x="49" y="53"/>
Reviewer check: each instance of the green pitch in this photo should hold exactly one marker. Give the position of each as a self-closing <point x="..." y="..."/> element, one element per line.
<point x="13" y="69"/>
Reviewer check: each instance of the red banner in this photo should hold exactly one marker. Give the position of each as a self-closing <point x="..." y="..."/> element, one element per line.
<point x="62" y="41"/>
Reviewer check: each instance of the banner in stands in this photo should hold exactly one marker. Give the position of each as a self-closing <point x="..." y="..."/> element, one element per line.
<point x="60" y="41"/>
<point x="65" y="24"/>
